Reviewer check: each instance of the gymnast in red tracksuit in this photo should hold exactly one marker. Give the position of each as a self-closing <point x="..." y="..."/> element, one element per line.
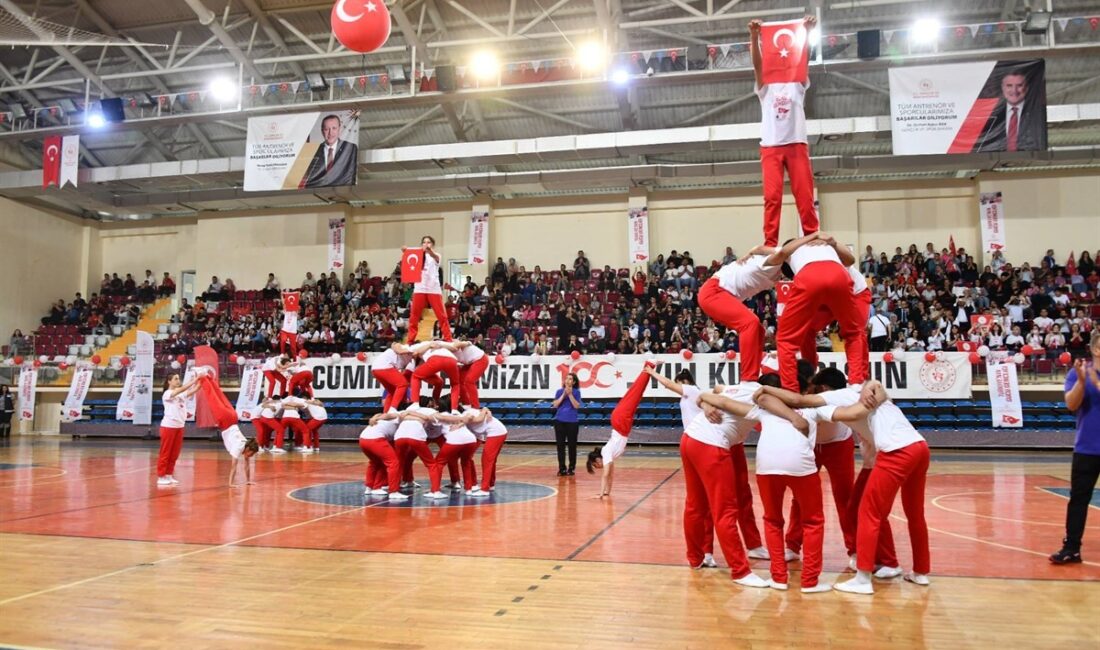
<point x="459" y="445"/>
<point x="435" y="360"/>
<point x="242" y="450"/>
<point x="861" y="295"/>
<point x="411" y="438"/>
<point x="301" y="379"/>
<point x="493" y="433"/>
<point x="267" y="423"/>
<point x="275" y="369"/>
<point x="389" y="369"/>
<point x="472" y="362"/>
<point x="428" y="292"/>
<point x="622" y="421"/>
<point x="317" y="417"/>
<point x="383" y="469"/>
<point x="292" y="419"/>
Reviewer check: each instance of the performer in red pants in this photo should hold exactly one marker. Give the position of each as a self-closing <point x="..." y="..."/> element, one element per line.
<point x="301" y="380"/>
<point x="275" y="369"/>
<point x="861" y="295"/>
<point x="317" y="417"/>
<point x="493" y="433"/>
<point x="389" y="369"/>
<point x="783" y="144"/>
<point x="267" y="423"/>
<point x="459" y="445"/>
<point x="435" y="361"/>
<point x="292" y="419"/>
<point x="472" y="362"/>
<point x="428" y="292"/>
<point x="172" y="425"/>
<point x="243" y="451"/>
<point x="411" y="439"/>
<point x="383" y="469"/>
<point x="622" y="421"/>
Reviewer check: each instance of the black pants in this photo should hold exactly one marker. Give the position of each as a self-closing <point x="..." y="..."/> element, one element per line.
<point x="565" y="433"/>
<point x="879" y="343"/>
<point x="1082" y="480"/>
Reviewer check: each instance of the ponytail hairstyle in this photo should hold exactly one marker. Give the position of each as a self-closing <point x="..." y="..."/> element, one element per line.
<point x="168" y="380"/>
<point x="593" y="456"/>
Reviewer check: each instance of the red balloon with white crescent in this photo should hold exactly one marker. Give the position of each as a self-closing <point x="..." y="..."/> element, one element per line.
<point x="361" y="25"/>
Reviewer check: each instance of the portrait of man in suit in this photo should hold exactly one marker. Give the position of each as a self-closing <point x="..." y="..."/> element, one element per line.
<point x="1018" y="123"/>
<point x="336" y="160"/>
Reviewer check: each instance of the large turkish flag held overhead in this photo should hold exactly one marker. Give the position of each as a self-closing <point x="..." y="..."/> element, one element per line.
<point x="784" y="52"/>
<point x="412" y="265"/>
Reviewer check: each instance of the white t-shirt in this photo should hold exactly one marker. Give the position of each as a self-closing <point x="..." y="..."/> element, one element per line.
<point x="843" y="397"/>
<point x="804" y="255"/>
<point x="879" y="325"/>
<point x="717" y="435"/>
<point x="290" y="322"/>
<point x="291" y="406"/>
<point x="414" y="429"/>
<point x="438" y="352"/>
<point x="175" y="411"/>
<point x="469" y="354"/>
<point x="390" y="359"/>
<point x="783" y="113"/>
<point x="859" y="283"/>
<point x="490" y="428"/>
<point x="270" y="411"/>
<point x="429" y="277"/>
<point x="783" y="449"/>
<point x="460" y="436"/>
<point x="887" y="425"/>
<point x="383" y="429"/>
<point x="317" y="412"/>
<point x="688" y="404"/>
<point x="748" y="276"/>
<point x="743" y="393"/>
<point x="271" y="363"/>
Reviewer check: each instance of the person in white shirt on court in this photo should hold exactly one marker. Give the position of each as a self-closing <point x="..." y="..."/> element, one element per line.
<point x="389" y="370"/>
<point x="459" y="444"/>
<point x="492" y="433"/>
<point x="317" y="417"/>
<point x="292" y="419"/>
<point x="275" y="369"/>
<point x="171" y="426"/>
<point x="384" y="468"/>
<point x="411" y="438"/>
<point x="266" y="422"/>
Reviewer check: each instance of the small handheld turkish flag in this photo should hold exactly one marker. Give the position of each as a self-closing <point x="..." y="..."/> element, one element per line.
<point x="784" y="53"/>
<point x="412" y="263"/>
<point x="291" y="300"/>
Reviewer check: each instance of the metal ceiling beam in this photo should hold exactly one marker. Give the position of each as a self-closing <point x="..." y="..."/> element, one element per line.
<point x="256" y="12"/>
<point x="542" y="16"/>
<point x="857" y="82"/>
<point x="724" y="106"/>
<point x="396" y="135"/>
<point x="477" y="19"/>
<point x="209" y="19"/>
<point x="688" y="8"/>
<point x="588" y="128"/>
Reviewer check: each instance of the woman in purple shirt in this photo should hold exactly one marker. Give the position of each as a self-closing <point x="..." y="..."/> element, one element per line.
<point x="567" y="401"/>
<point x="1083" y="398"/>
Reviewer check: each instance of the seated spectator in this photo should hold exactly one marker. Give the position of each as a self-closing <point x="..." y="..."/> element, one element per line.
<point x="582" y="268"/>
<point x="215" y="291"/>
<point x="271" y="288"/>
<point x="17" y="343"/>
<point x="167" y="285"/>
<point x="730" y="257"/>
<point x="309" y="281"/>
<point x="229" y="289"/>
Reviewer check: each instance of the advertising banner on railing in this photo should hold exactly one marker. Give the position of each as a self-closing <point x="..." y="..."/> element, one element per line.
<point x="136" y="401"/>
<point x="28" y="379"/>
<point x="301" y="151"/>
<point x="980" y="106"/>
<point x="908" y="376"/>
<point x="1004" y="396"/>
<point x="73" y="407"/>
<point x="249" y="397"/>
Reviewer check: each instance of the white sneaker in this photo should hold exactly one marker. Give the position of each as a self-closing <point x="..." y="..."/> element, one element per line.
<point x="306" y="450"/>
<point x="455" y="487"/>
<point x="397" y="496"/>
<point x="380" y="492"/>
<point x="887" y="572"/>
<point x="759" y="553"/>
<point x="367" y="492"/>
<point x="476" y="493"/>
<point x="918" y="579"/>
<point x="436" y="495"/>
<point x="708" y="561"/>
<point x="852" y="563"/>
<point x="791" y="556"/>
<point x="278" y="450"/>
<point x="172" y="480"/>
<point x="316" y="450"/>
<point x="780" y="586"/>
<point x="412" y="485"/>
<point x="819" y="588"/>
<point x="164" y="482"/>
<point x="855" y="586"/>
<point x="493" y="489"/>
<point x="753" y="580"/>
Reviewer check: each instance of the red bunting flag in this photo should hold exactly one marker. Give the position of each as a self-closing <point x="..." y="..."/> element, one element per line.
<point x="412" y="263"/>
<point x="785" y="55"/>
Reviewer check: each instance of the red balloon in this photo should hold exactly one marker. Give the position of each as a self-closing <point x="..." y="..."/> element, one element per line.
<point x="96" y="359"/>
<point x="62" y="365"/>
<point x="974" y="358"/>
<point x="731" y="354"/>
<point x="232" y="358"/>
<point x="1027" y="350"/>
<point x="361" y="25"/>
<point x="37" y="363"/>
<point x="18" y="359"/>
<point x="929" y="356"/>
<point x="182" y="359"/>
<point x="687" y="354"/>
<point x="575" y="355"/>
<point x="888" y="357"/>
<point x="500" y="359"/>
<point x="302" y="354"/>
<point x="1065" y="358"/>
<point x="125" y="361"/>
<point x="362" y="356"/>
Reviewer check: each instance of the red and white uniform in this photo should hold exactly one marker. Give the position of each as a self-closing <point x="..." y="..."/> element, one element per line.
<point x="411" y="440"/>
<point x="389" y="369"/>
<point x="171" y="433"/>
<point x="493" y="433"/>
<point x="472" y="362"/>
<point x="427" y="292"/>
<point x="275" y="376"/>
<point x="785" y="459"/>
<point x="820" y="280"/>
<point x="746" y="515"/>
<point x="288" y="333"/>
<point x="383" y="467"/>
<point x="292" y="419"/>
<point x="266" y="423"/>
<point x="622" y="417"/>
<point x="301" y="377"/>
<point x="722" y="298"/>
<point x="459" y="445"/>
<point x="901" y="463"/>
<point x="861" y="295"/>
<point x="783" y="146"/>
<point x="435" y="362"/>
<point x="317" y="417"/>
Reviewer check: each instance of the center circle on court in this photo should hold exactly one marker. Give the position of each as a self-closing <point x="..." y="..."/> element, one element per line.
<point x="350" y="494"/>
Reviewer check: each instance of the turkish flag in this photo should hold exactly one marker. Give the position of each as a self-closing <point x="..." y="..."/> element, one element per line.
<point x="291" y="300"/>
<point x="51" y="161"/>
<point x="784" y="51"/>
<point x="412" y="264"/>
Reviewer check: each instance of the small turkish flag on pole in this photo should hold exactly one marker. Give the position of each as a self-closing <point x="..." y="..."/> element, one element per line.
<point x="51" y="161"/>
<point x="784" y="52"/>
<point x="291" y="300"/>
<point x="412" y="263"/>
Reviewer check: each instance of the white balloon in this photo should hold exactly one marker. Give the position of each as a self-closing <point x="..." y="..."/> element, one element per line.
<point x="535" y="357"/>
<point x="175" y="365"/>
<point x="611" y="357"/>
<point x="241" y="360"/>
<point x="71" y="359"/>
<point x="983" y="351"/>
<point x="335" y="358"/>
<point x="44" y="359"/>
<point x="1018" y="358"/>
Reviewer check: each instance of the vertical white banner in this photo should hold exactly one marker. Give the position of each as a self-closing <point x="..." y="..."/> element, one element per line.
<point x="478" y="251"/>
<point x="336" y="232"/>
<point x="1004" y="395"/>
<point x="28" y="380"/>
<point x="251" y="382"/>
<point x="70" y="160"/>
<point x="638" y="223"/>
<point x="992" y="209"/>
<point x="73" y="407"/>
<point x="192" y="399"/>
<point x="124" y="410"/>
<point x="142" y="369"/>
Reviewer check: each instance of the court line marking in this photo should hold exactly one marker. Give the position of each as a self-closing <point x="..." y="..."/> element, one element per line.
<point x="936" y="502"/>
<point x="626" y="512"/>
<point x="180" y="556"/>
<point x="17" y="482"/>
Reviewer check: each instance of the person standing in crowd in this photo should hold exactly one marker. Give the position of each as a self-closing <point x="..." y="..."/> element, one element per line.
<point x="7" y="410"/>
<point x="567" y="401"/>
<point x="1083" y="398"/>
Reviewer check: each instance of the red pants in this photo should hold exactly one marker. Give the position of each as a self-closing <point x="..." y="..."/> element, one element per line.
<point x="807" y="490"/>
<point x="171" y="442"/>
<point x="222" y="411"/>
<point x="395" y="383"/>
<point x="796" y="159"/>
<point x="622" y="418"/>
<point x="452" y="464"/>
<point x="746" y="518"/>
<point x="824" y="317"/>
<point x="275" y="378"/>
<point x="708" y="475"/>
<point x="904" y="469"/>
<point x="839" y="459"/>
<point x="407" y="449"/>
<point x="383" y="467"/>
<point x="302" y="379"/>
<point x="730" y="311"/>
<point x="292" y="339"/>
<point x="419" y="302"/>
<point x="489" y="454"/>
<point x="264" y="428"/>
<point x="314" y="429"/>
<point x="886" y="555"/>
<point x="449" y="453"/>
<point x="296" y="425"/>
<point x="468" y="378"/>
<point x="434" y="366"/>
<point x="819" y="284"/>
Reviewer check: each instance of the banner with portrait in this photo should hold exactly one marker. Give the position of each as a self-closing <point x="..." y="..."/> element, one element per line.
<point x="301" y="151"/>
<point x="981" y="106"/>
<point x="992" y="207"/>
<point x="136" y="401"/>
<point x="478" y="250"/>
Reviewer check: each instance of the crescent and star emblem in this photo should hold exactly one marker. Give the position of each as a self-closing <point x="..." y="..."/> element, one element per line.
<point x="783" y="52"/>
<point x="342" y="11"/>
<point x="51" y="151"/>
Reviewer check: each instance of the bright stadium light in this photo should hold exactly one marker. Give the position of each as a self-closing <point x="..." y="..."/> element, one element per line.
<point x="926" y="30"/>
<point x="223" y="90"/>
<point x="620" y="76"/>
<point x="96" y="120"/>
<point x="485" y="65"/>
<point x="591" y="55"/>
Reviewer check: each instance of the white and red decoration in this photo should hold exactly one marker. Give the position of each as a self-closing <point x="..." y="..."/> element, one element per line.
<point x="785" y="56"/>
<point x="361" y="25"/>
<point x="1004" y="396"/>
<point x="992" y="219"/>
<point x="336" y="232"/>
<point x="73" y="407"/>
<point x="478" y="250"/>
<point x="252" y="381"/>
<point x="412" y="264"/>
<point x="136" y="401"/>
<point x="28" y="380"/>
<point x="638" y="224"/>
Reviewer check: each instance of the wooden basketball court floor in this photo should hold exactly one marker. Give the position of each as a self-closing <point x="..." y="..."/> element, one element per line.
<point x="93" y="554"/>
